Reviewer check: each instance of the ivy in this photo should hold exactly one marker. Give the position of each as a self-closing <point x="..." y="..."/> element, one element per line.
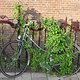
<point x="59" y="47"/>
<point x="19" y="17"/>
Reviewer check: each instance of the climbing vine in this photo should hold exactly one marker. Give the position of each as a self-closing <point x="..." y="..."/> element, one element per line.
<point x="59" y="47"/>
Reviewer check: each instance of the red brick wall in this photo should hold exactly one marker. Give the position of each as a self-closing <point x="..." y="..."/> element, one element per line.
<point x="48" y="8"/>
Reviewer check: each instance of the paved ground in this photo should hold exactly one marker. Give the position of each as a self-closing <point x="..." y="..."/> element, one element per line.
<point x="40" y="76"/>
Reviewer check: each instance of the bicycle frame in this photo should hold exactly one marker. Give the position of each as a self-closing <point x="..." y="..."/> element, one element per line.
<point x="22" y="38"/>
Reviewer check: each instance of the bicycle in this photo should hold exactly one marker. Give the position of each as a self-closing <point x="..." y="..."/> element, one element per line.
<point x="17" y="61"/>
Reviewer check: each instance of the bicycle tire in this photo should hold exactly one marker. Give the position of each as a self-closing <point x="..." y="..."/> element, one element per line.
<point x="7" y="64"/>
<point x="76" y="61"/>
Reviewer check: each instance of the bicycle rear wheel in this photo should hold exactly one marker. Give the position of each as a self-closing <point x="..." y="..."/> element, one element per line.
<point x="14" y="60"/>
<point x="75" y="63"/>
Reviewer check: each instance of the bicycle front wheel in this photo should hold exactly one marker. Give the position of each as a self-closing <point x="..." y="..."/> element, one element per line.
<point x="14" y="59"/>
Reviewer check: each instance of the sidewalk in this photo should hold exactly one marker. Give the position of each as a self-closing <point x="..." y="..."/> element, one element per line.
<point x="40" y="76"/>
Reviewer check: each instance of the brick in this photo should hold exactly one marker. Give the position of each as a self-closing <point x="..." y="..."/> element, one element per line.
<point x="47" y="8"/>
